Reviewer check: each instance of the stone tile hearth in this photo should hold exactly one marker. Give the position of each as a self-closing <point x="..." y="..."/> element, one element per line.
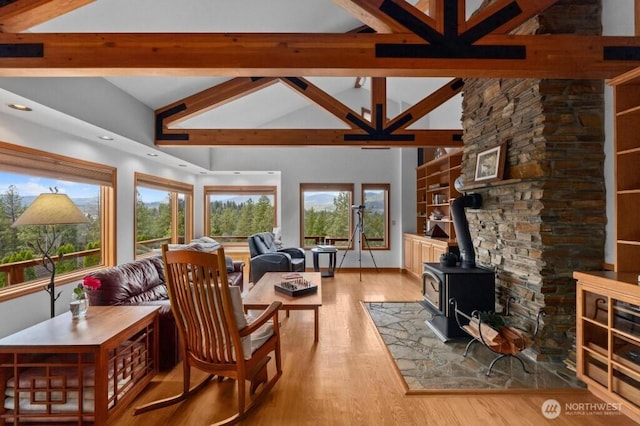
<point x="426" y="363"/>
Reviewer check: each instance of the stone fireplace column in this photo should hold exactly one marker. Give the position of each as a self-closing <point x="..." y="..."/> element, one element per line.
<point x="547" y="217"/>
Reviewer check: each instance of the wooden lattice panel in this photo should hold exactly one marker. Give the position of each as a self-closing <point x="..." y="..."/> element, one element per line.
<point x="78" y="383"/>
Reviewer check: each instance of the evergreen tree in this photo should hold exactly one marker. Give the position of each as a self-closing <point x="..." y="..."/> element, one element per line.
<point x="310" y="220"/>
<point x="11" y="208"/>
<point x="339" y="225"/>
<point x="24" y="254"/>
<point x="182" y="221"/>
<point x="143" y="219"/>
<point x="94" y="259"/>
<point x="246" y="218"/>
<point x="162" y="222"/>
<point x="374" y="227"/>
<point x="263" y="216"/>
<point x="320" y="225"/>
<point x="66" y="264"/>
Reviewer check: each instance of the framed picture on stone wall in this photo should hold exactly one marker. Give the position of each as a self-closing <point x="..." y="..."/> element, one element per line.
<point x="490" y="163"/>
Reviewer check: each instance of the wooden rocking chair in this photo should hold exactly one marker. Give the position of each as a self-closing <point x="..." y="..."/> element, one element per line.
<point x="214" y="332"/>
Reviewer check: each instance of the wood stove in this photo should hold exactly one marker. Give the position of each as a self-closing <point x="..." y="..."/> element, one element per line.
<point x="473" y="288"/>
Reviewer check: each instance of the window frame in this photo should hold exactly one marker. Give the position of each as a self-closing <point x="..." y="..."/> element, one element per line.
<point x="333" y="187"/>
<point x="387" y="193"/>
<point x="209" y="190"/>
<point x="167" y="185"/>
<point x="35" y="162"/>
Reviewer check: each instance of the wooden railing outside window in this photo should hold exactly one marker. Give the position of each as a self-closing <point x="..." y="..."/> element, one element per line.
<point x="14" y="272"/>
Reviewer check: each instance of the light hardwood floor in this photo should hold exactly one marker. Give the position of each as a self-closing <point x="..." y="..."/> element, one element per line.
<point x="348" y="379"/>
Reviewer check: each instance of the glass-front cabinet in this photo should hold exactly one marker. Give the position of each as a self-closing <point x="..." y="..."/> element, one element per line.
<point x="608" y="337"/>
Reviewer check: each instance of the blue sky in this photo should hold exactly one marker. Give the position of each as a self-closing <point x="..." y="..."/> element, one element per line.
<point x="149" y="195"/>
<point x="33" y="185"/>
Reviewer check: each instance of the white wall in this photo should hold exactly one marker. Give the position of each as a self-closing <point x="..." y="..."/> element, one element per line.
<point x="19" y="313"/>
<point x="330" y="165"/>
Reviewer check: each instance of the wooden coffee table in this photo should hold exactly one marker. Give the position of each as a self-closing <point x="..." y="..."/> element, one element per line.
<point x="262" y="294"/>
<point x="108" y="357"/>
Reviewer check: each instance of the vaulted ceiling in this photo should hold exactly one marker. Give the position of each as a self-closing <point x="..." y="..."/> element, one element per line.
<point x="205" y="56"/>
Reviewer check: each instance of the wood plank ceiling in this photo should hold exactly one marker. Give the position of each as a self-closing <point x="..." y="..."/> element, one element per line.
<point x="432" y="38"/>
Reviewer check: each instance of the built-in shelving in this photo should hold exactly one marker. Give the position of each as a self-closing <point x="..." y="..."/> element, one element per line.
<point x="627" y="158"/>
<point x="435" y="192"/>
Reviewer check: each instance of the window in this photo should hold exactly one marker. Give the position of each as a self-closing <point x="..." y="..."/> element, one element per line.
<point x="326" y="214"/>
<point x="375" y="198"/>
<point x="235" y="212"/>
<point x="25" y="174"/>
<point x="163" y="214"/>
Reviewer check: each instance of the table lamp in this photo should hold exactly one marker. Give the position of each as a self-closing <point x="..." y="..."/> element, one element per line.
<point x="47" y="211"/>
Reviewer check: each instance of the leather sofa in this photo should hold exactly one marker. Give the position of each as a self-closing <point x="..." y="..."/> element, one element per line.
<point x="142" y="282"/>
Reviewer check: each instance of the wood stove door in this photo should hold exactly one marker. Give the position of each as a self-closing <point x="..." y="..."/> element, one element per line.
<point x="431" y="286"/>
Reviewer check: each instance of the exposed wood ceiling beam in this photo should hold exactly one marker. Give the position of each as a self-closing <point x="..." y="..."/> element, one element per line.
<point x="636" y="14"/>
<point x="424" y="6"/>
<point x="214" y="97"/>
<point x="21" y="15"/>
<point x="431" y="102"/>
<point x="529" y="9"/>
<point x="368" y="12"/>
<point x="321" y="98"/>
<point x="379" y="101"/>
<point x="306" y="137"/>
<point x="378" y="131"/>
<point x="437" y="13"/>
<point x="547" y="56"/>
<point x="375" y="13"/>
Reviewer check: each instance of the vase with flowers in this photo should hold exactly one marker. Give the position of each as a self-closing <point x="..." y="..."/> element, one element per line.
<point x="80" y="299"/>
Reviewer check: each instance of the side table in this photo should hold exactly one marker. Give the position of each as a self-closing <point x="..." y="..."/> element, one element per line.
<point x="329" y="250"/>
<point x="78" y="370"/>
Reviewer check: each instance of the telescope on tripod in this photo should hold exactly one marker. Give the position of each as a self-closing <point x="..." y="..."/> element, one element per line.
<point x="362" y="236"/>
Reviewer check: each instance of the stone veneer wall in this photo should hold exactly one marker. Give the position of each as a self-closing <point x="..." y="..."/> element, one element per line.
<point x="547" y="218"/>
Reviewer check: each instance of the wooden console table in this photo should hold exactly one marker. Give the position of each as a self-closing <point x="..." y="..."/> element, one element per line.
<point x="78" y="370"/>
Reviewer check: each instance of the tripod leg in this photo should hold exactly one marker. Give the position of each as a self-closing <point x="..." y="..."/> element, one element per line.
<point x="360" y="252"/>
<point x="347" y="249"/>
<point x="366" y="241"/>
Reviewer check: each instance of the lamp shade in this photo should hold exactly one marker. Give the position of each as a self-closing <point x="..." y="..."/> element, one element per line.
<point x="51" y="209"/>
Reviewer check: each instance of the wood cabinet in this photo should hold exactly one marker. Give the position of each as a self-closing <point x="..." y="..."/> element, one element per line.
<point x="608" y="337"/>
<point x="627" y="158"/>
<point x="435" y="191"/>
<point x="78" y="370"/>
<point x="419" y="249"/>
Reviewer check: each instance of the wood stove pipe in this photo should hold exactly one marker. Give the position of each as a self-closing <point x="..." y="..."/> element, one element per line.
<point x="460" y="224"/>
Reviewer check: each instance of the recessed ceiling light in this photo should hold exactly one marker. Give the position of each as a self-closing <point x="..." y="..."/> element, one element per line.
<point x="151" y="154"/>
<point x="105" y="138"/>
<point x="20" y="107"/>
